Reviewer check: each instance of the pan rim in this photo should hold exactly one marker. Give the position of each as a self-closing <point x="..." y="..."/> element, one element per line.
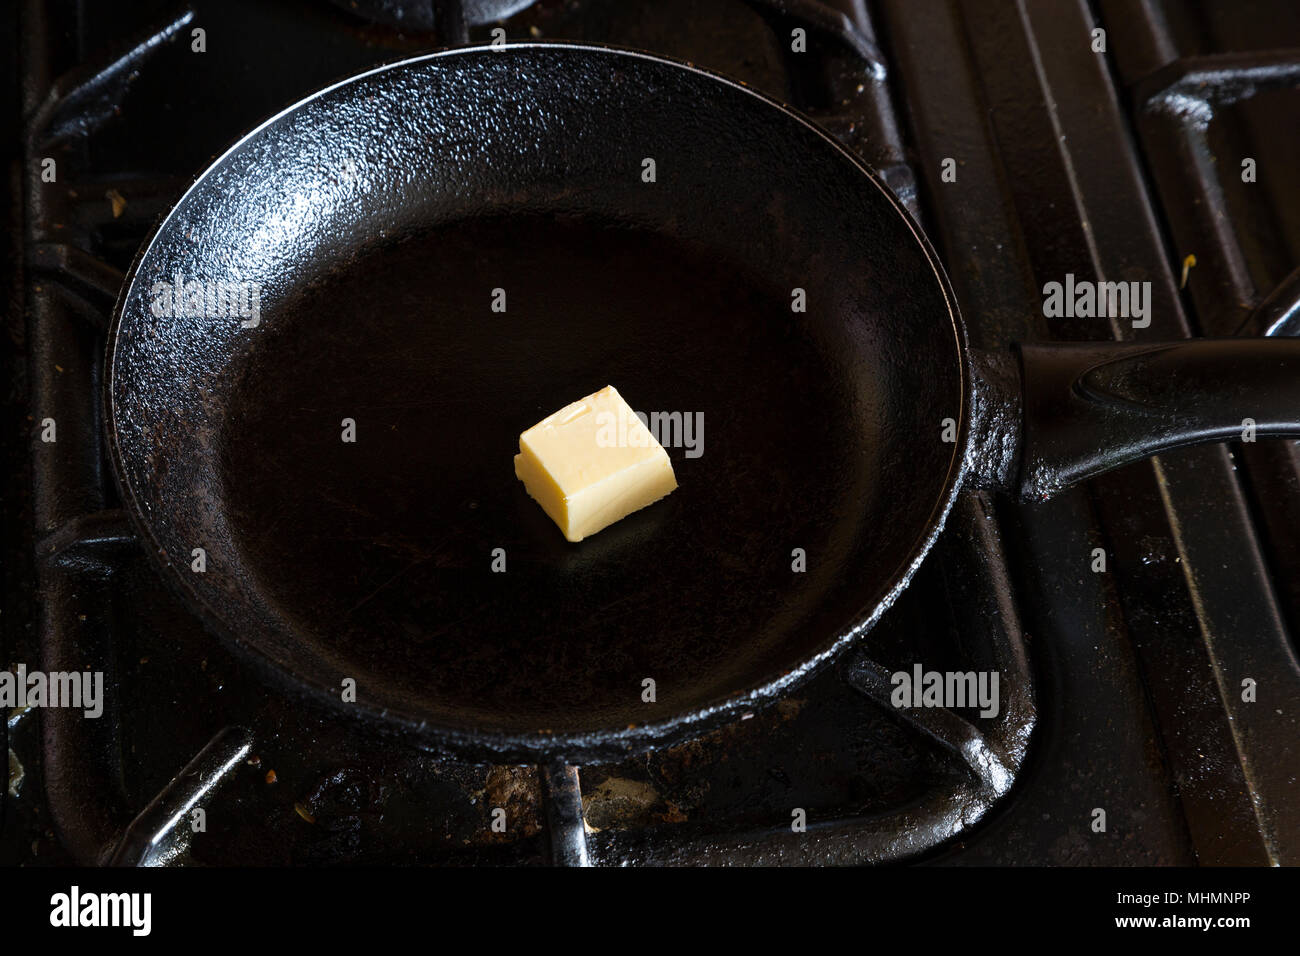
<point x="605" y="742"/>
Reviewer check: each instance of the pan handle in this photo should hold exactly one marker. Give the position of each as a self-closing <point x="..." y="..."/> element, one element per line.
<point x="1047" y="416"/>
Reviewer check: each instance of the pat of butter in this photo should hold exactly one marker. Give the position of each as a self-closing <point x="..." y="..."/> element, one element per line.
<point x="592" y="463"/>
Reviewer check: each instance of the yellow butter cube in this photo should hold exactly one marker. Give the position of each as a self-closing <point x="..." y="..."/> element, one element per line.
<point x="592" y="463"/>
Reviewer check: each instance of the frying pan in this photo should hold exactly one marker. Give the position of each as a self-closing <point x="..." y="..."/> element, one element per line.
<point x="449" y="248"/>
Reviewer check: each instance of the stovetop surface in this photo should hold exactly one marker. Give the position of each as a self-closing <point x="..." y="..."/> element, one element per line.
<point x="1123" y="687"/>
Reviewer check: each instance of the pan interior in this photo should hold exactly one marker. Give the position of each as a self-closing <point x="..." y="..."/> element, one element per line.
<point x="443" y="310"/>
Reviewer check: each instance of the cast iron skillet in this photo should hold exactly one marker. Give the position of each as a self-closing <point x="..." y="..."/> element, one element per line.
<point x="380" y="217"/>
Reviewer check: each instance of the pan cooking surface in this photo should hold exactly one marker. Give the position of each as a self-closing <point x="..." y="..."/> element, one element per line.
<point x="382" y="548"/>
<point x="377" y="219"/>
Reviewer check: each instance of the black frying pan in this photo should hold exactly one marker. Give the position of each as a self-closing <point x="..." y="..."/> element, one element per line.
<point x="380" y="215"/>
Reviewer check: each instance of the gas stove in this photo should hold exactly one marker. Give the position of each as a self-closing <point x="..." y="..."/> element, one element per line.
<point x="1141" y="628"/>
